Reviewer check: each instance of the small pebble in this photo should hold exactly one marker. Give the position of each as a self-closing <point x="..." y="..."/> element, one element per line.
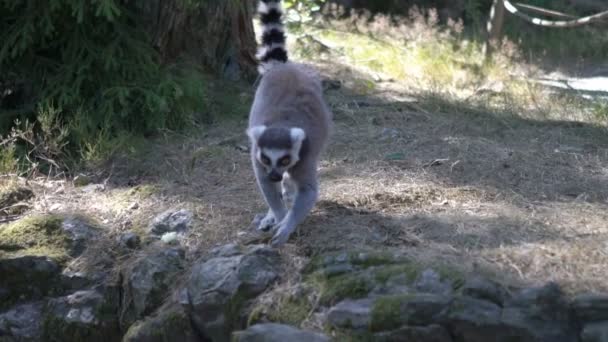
<point x="169" y="238"/>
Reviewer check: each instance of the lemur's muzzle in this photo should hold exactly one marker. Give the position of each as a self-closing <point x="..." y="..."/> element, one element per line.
<point x="275" y="176"/>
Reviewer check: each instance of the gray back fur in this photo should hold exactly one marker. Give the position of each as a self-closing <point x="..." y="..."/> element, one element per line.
<point x="290" y="95"/>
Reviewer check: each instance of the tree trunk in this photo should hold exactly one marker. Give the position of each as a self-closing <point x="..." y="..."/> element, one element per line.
<point x="495" y="25"/>
<point x="216" y="34"/>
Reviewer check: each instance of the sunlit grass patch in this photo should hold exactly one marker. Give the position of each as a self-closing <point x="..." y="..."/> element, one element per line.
<point x="428" y="58"/>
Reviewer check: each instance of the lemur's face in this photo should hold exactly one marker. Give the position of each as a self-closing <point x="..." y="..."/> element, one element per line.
<point x="277" y="149"/>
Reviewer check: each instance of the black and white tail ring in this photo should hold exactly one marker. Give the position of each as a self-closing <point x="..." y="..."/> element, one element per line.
<point x="272" y="49"/>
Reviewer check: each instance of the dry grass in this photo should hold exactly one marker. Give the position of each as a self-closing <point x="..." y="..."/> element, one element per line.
<point x="523" y="200"/>
<point x="441" y="176"/>
<point x="448" y="61"/>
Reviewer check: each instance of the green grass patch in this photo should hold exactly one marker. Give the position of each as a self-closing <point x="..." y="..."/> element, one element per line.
<point x="284" y="309"/>
<point x="143" y="191"/>
<point x="410" y="270"/>
<point x="359" y="259"/>
<point x="386" y="313"/>
<point x="334" y="289"/>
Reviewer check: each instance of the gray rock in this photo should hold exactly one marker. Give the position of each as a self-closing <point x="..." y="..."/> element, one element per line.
<point x="171" y="221"/>
<point x="547" y="297"/>
<point x="80" y="231"/>
<point x="532" y="314"/>
<point x="430" y="281"/>
<point x="431" y="333"/>
<point x="130" y="240"/>
<point x="218" y="288"/>
<point x="84" y="315"/>
<point x="272" y="332"/>
<point x="475" y="320"/>
<point x="540" y="314"/>
<point x="228" y="250"/>
<point x="22" y="323"/>
<point x="351" y="314"/>
<point x="392" y="312"/>
<point x="481" y="288"/>
<point x="526" y="327"/>
<point x="168" y="324"/>
<point x="147" y="282"/>
<point x="28" y="278"/>
<point x="591" y="307"/>
<point x="595" y="332"/>
<point x="72" y="280"/>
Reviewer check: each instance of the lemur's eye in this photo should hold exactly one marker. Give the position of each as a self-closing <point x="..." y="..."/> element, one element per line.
<point x="265" y="159"/>
<point x="285" y="161"/>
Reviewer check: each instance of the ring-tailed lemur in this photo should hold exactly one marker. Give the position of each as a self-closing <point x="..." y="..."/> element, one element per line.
<point x="289" y="125"/>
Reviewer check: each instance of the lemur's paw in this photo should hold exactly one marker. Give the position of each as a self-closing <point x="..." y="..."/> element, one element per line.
<point x="282" y="233"/>
<point x="267" y="222"/>
<point x="280" y="238"/>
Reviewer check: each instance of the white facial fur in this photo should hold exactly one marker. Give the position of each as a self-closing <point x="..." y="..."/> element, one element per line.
<point x="255" y="132"/>
<point x="297" y="137"/>
<point x="275" y="155"/>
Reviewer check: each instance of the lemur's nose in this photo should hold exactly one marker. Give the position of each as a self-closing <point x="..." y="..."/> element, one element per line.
<point x="275" y="176"/>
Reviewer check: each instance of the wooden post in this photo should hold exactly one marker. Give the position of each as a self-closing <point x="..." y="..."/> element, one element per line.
<point x="494" y="28"/>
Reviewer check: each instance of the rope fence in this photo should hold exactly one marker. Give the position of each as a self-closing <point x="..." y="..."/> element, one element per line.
<point x="499" y="7"/>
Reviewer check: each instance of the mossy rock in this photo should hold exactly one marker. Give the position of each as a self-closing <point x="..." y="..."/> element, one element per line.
<point x="354" y="286"/>
<point x="33" y="251"/>
<point x="352" y="336"/>
<point x="55" y="236"/>
<point x="346" y="274"/>
<point x="288" y="306"/>
<point x="392" y="312"/>
<point x="170" y="323"/>
<point x="37" y="235"/>
<point x="356" y="259"/>
<point x="353" y="275"/>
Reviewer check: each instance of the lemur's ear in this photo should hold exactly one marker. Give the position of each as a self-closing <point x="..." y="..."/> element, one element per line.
<point x="255" y="132"/>
<point x="297" y="136"/>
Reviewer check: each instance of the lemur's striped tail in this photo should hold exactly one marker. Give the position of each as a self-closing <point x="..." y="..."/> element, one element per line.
<point x="272" y="49"/>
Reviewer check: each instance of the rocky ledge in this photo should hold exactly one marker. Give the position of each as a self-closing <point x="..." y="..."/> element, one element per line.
<point x="159" y="292"/>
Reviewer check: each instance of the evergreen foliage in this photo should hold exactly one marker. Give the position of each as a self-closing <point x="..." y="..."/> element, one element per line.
<point x="92" y="61"/>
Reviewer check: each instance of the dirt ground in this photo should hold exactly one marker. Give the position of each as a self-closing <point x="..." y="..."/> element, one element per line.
<point x="523" y="200"/>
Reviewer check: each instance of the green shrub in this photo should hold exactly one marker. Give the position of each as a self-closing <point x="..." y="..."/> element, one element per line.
<point x="91" y="63"/>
